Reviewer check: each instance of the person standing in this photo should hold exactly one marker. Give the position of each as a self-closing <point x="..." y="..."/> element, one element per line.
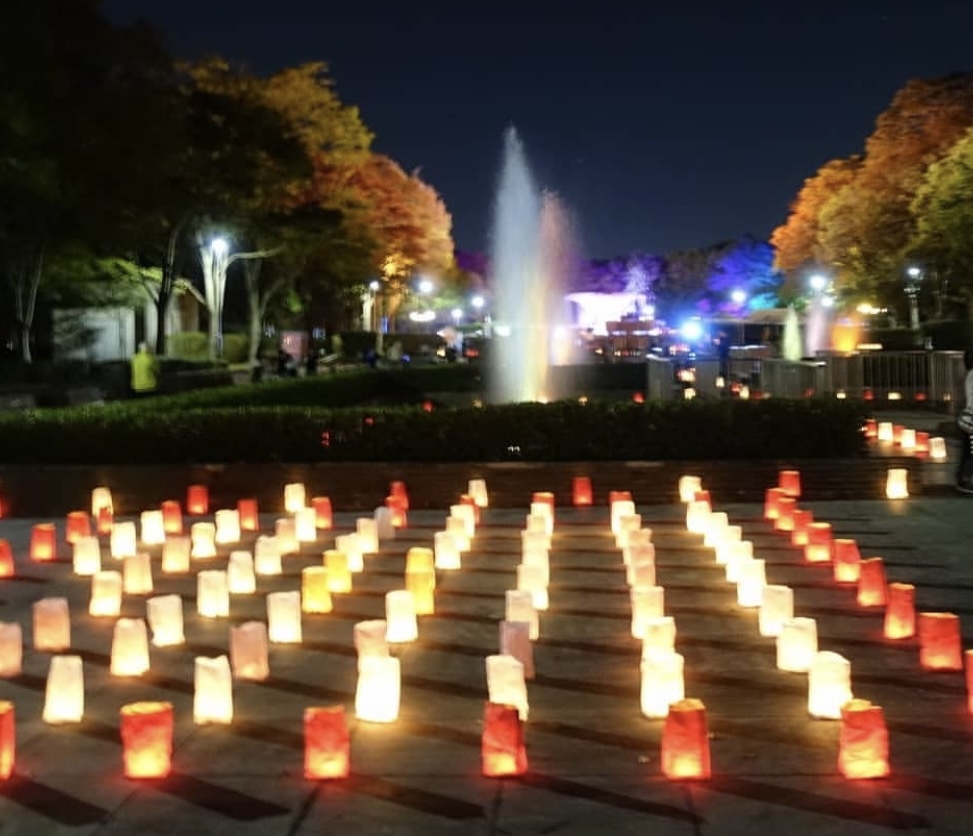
<point x="145" y="372"/>
<point x="964" y="470"/>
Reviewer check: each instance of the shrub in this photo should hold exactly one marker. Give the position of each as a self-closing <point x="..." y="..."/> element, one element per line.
<point x="188" y="345"/>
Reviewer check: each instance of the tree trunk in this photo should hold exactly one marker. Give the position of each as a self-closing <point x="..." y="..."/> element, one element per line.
<point x="25" y="282"/>
<point x="251" y="274"/>
<point x="164" y="296"/>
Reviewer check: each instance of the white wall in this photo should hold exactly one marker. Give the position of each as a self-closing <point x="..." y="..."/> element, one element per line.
<point x="111" y="334"/>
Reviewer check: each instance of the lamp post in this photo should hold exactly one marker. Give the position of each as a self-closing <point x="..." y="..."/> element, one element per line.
<point x="214" y="274"/>
<point x="913" y="276"/>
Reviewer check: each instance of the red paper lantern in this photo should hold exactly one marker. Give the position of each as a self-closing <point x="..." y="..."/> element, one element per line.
<point x="398" y="508"/>
<point x="864" y="741"/>
<point x="900" y="611"/>
<point x="897" y="434"/>
<point x="789" y="481"/>
<point x="466" y="499"/>
<point x="147" y="739"/>
<point x="786" y="506"/>
<point x="106" y="520"/>
<point x="922" y="443"/>
<point x="818" y="548"/>
<point x="503" y="752"/>
<point x="6" y="560"/>
<point x="249" y="514"/>
<point x="940" y="645"/>
<point x="802" y="520"/>
<point x="619" y="496"/>
<point x="871" y="429"/>
<point x="772" y="498"/>
<point x="581" y="493"/>
<point x="703" y="496"/>
<point x="323" y="513"/>
<point x="397" y="489"/>
<point x="847" y="560"/>
<point x="8" y="739"/>
<point x="171" y="517"/>
<point x="197" y="500"/>
<point x="77" y="525"/>
<point x="544" y="497"/>
<point x="43" y="542"/>
<point x="685" y="741"/>
<point x="638" y="397"/>
<point x="327" y="743"/>
<point x="872" y="586"/>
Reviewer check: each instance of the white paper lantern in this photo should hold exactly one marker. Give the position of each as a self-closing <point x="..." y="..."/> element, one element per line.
<point x="64" y="693"/>
<point x="716" y="525"/>
<point x="937" y="448"/>
<point x="886" y="432"/>
<point x="447" y="555"/>
<point x="240" y="576"/>
<point x="87" y="556"/>
<point x="515" y="641"/>
<point x="640" y="540"/>
<point x="249" y="651"/>
<point x="505" y="683"/>
<point x="627" y="525"/>
<point x="164" y="613"/>
<point x="732" y="534"/>
<point x="400" y="617"/>
<point x="176" y="552"/>
<point x="315" y="595"/>
<point x="750" y="586"/>
<point x="620" y="508"/>
<point x="266" y="556"/>
<point x="378" y="690"/>
<point x="123" y="542"/>
<point x="537" y="525"/>
<point x="212" y="594"/>
<point x="339" y="575"/>
<point x="367" y="530"/>
<point x="52" y="624"/>
<point x="697" y="516"/>
<point x="153" y="528"/>
<point x="545" y="511"/>
<point x="419" y="559"/>
<point x="534" y="541"/>
<point x="384" y="526"/>
<point x="106" y="594"/>
<point x="137" y="574"/>
<point x="212" y="691"/>
<point x="688" y="487"/>
<point x="285" y="532"/>
<point x="648" y="602"/>
<point x="467" y="513"/>
<point x="520" y="607"/>
<point x="797" y="645"/>
<point x="101" y="498"/>
<point x="740" y="553"/>
<point x="539" y="559"/>
<point x="203" y="537"/>
<point x="829" y="685"/>
<point x="11" y="649"/>
<point x="663" y="682"/>
<point x="295" y="497"/>
<point x="227" y="526"/>
<point x="908" y="439"/>
<point x="306" y="525"/>
<point x="456" y="528"/>
<point x="776" y="607"/>
<point x="533" y="578"/>
<point x="641" y="572"/>
<point x="284" y="617"/>
<point x="351" y="546"/>
<point x="370" y="639"/>
<point x="129" y="648"/>
<point x="658" y="635"/>
<point x="897" y="483"/>
<point x="477" y="489"/>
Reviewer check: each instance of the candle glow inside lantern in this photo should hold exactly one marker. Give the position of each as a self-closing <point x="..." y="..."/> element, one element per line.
<point x="370" y="638"/>
<point x="620" y="508"/>
<point x="648" y="602"/>
<point x="789" y="481"/>
<point x="688" y="486"/>
<point x="582" y="495"/>
<point x="212" y="691"/>
<point x="171" y="517"/>
<point x="400" y="617"/>
<point x="227" y="526"/>
<point x="305" y="525"/>
<point x="101" y="498"/>
<point x="384" y="527"/>
<point x="802" y="520"/>
<point x="137" y="574"/>
<point x="776" y="607"/>
<point x="937" y="448"/>
<point x="327" y="743"/>
<point x="533" y="578"/>
<point x="503" y="753"/>
<point x="43" y="542"/>
<point x="266" y="556"/>
<point x="339" y="575"/>
<point x="419" y="559"/>
<point x="685" y="742"/>
<point x="662" y="682"/>
<point x="64" y="692"/>
<point x="897" y="483"/>
<point x="818" y="548"/>
<point x="105" y="521"/>
<point x="447" y="555"/>
<point x="367" y="530"/>
<point x="940" y="644"/>
<point x="872" y="585"/>
<point x="829" y="685"/>
<point x="515" y="641"/>
<point x="295" y="497"/>
<point x="886" y="432"/>
<point x="315" y="597"/>
<point x="900" y="611"/>
<point x="285" y="532"/>
<point x="907" y="440"/>
<point x="422" y="584"/>
<point x="52" y="624"/>
<point x="847" y="560"/>
<point x="456" y="528"/>
<point x="477" y="488"/>
<point x="772" y="498"/>
<point x="8" y="737"/>
<point x="11" y="649"/>
<point x="240" y="576"/>
<point x="146" y="729"/>
<point x="77" y="524"/>
<point x="398" y="509"/>
<point x="750" y="586"/>
<point x="164" y="613"/>
<point x="106" y="594"/>
<point x="284" y="617"/>
<point x="715" y="525"/>
<point x="197" y="500"/>
<point x="506" y="684"/>
<point x="922" y="443"/>
<point x="6" y="560"/>
<point x="249" y="513"/>
<point x="212" y="594"/>
<point x="129" y="648"/>
<point x="250" y="651"/>
<point x="864" y="741"/>
<point x="786" y="506"/>
<point x="153" y="528"/>
<point x="323" y="513"/>
<point x="176" y="553"/>
<point x="351" y="546"/>
<point x="203" y="537"/>
<point x="520" y="607"/>
<point x="378" y="690"/>
<point x="797" y="645"/>
<point x="86" y="559"/>
<point x="697" y="516"/>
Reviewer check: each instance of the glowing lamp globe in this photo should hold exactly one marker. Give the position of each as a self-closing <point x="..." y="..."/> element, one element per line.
<point x="137" y="574"/>
<point x="153" y="528"/>
<point x="789" y="481"/>
<point x="503" y="754"/>
<point x="515" y="641"/>
<point x="315" y="596"/>
<point x="872" y="585"/>
<point x="129" y="648"/>
<point x="940" y="643"/>
<point x="776" y="608"/>
<point x="339" y="575"/>
<point x="900" y="611"/>
<point x="863" y="751"/>
<point x="203" y="537"/>
<point x="378" y="690"/>
<point x="164" y="613"/>
<point x="897" y="483"/>
<point x="351" y="546"/>
<point x="305" y="525"/>
<point x="43" y="542"/>
<point x="212" y="594"/>
<point x="86" y="559"/>
<point x="52" y="624"/>
<point x="212" y="691"/>
<point x="284" y="617"/>
<point x="106" y="594"/>
<point x="323" y="513"/>
<point x="506" y="684"/>
<point x="400" y="617"/>
<point x="295" y="497"/>
<point x="327" y="743"/>
<point x="228" y="529"/>
<point x="77" y="524"/>
<point x="847" y="560"/>
<point x="250" y="651"/>
<point x="171" y="517"/>
<point x="146" y="730"/>
<point x="249" y="514"/>
<point x="447" y="555"/>
<point x="829" y="685"/>
<point x="688" y="486"/>
<point x="197" y="500"/>
<point x="582" y="495"/>
<point x="662" y="682"/>
<point x="648" y="602"/>
<point x="266" y="556"/>
<point x="176" y="552"/>
<point x="797" y="645"/>
<point x="8" y="738"/>
<point x="64" y="691"/>
<point x="240" y="575"/>
<point x="685" y="742"/>
<point x="520" y="607"/>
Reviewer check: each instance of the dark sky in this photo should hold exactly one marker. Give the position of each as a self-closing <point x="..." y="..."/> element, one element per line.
<point x="661" y="130"/>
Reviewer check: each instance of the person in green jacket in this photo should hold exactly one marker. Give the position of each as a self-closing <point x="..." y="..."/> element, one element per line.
<point x="145" y="372"/>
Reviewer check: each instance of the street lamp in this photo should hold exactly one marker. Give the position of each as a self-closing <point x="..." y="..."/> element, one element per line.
<point x="425" y="286"/>
<point x="457" y="314"/>
<point x="913" y="276"/>
<point x="818" y="282"/>
<point x="214" y="275"/>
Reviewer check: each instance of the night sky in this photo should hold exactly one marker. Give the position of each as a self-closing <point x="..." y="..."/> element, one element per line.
<point x="660" y="130"/>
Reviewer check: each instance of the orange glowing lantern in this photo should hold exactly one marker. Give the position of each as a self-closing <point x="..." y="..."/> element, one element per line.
<point x="685" y="741"/>
<point x="922" y="443"/>
<point x="7" y="739"/>
<point x="249" y="514"/>
<point x="619" y="496"/>
<point x="469" y="501"/>
<point x="106" y="594"/>
<point x="818" y="548"/>
<point x="581" y="492"/>
<point x="802" y="520"/>
<point x="786" y="506"/>
<point x="147" y="739"/>
<point x="847" y="560"/>
<point x="77" y="525"/>
<point x="176" y="552"/>
<point x="398" y="510"/>
<point x="105" y="520"/>
<point x="327" y="743"/>
<point x="11" y="649"/>
<point x="315" y="596"/>
<point x="43" y="542"/>
<point x="772" y="498"/>
<point x="397" y="489"/>
<point x="503" y="751"/>
<point x="323" y="513"/>
<point x="864" y="743"/>
<point x="789" y="481"/>
<point x="900" y="612"/>
<point x="940" y="645"/>
<point x="871" y="429"/>
<point x="897" y="430"/>
<point x="197" y="500"/>
<point x="872" y="585"/>
<point x="172" y="517"/>
<point x="6" y="560"/>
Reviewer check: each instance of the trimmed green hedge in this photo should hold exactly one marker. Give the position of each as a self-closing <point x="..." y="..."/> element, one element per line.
<point x="563" y="431"/>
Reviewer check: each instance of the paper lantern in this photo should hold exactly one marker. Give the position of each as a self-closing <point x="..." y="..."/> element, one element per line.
<point x="43" y="542"/>
<point x="620" y="508"/>
<point x="543" y="498"/>
<point x="378" y="689"/>
<point x="212" y="691"/>
<point x="294" y="497"/>
<point x="786" y="506"/>
<point x="284" y="617"/>
<point x="818" y="548"/>
<point x="52" y="624"/>
<point x="797" y="645"/>
<point x="197" y="500"/>
<point x="731" y="534"/>
<point x="534" y="541"/>
<point x="582" y="495"/>
<point x="540" y="524"/>
<point x="626" y="526"/>
<point x="897" y="429"/>
<point x="176" y="552"/>
<point x="153" y="528"/>
<point x="967" y="656"/>
<point x="456" y="528"/>
<point x="351" y="546"/>
<point x="400" y="617"/>
<point x="658" y="635"/>
<point x="533" y="578"/>
<point x="105" y="522"/>
<point x="864" y="741"/>
<point x="871" y="429"/>
<point x="802" y="521"/>
<point x="520" y="607"/>
<point x="847" y="560"/>
<point x="940" y="645"/>
<point x="641" y="571"/>
<point x="619" y="496"/>
<point x="6" y="560"/>
<point x="789" y="481"/>
<point x="399" y="510"/>
<point x="315" y="597"/>
<point x="285" y="533"/>
<point x="477" y="488"/>
<point x="776" y="608"/>
<point x="384" y="526"/>
<point x="503" y="753"/>
<point x="250" y="651"/>
<point x="637" y="538"/>
<point x="212" y="594"/>
<point x="697" y="516"/>
<point x="249" y="514"/>
<point x="907" y="440"/>
<point x="266" y="556"/>
<point x="164" y="613"/>
<point x="871" y="583"/>
<point x="447" y="555"/>
<point x="339" y="575"/>
<point x="77" y="525"/>
<point x="663" y="682"/>
<point x="422" y="584"/>
<point x="146" y="729"/>
<point x="240" y="575"/>
<point x="137" y="574"/>
<point x="8" y="738"/>
<point x="688" y="487"/>
<point x="64" y="692"/>
<point x="505" y="683"/>
<point x="886" y="432"/>
<point x="900" y="611"/>
<point x="772" y="498"/>
<point x="419" y="559"/>
<point x="87" y="556"/>
<point x="370" y="638"/>
<point x="367" y="530"/>
<point x="685" y="742"/>
<point x="704" y="496"/>
<point x="937" y="448"/>
<point x="323" y="514"/>
<point x="11" y="649"/>
<point x="897" y="483"/>
<point x="327" y="743"/>
<point x="227" y="526"/>
<point x="922" y="443"/>
<point x="467" y="513"/>
<point x="714" y="527"/>
<point x="397" y="489"/>
<point x="106" y="594"/>
<point x="171" y="517"/>
<point x="203" y="537"/>
<point x="129" y="648"/>
<point x="305" y="525"/>
<point x="515" y="642"/>
<point x="101" y="499"/>
<point x="829" y="685"/>
<point x="648" y="602"/>
<point x="739" y="554"/>
<point x="750" y="586"/>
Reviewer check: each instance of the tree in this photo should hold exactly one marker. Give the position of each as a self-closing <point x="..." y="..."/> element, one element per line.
<point x="746" y="265"/>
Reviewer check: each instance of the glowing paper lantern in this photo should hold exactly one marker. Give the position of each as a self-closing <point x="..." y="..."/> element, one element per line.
<point x="897" y="483"/>
<point x="907" y="441"/>
<point x="503" y="753"/>
<point x="456" y="528"/>
<point x="52" y="624"/>
<point x="64" y="693"/>
<point x="847" y="560"/>
<point x="829" y="685"/>
<point x="327" y="743"/>
<point x="940" y="645"/>
<point x="227" y="526"/>
<point x="739" y="554"/>
<point x="968" y="656"/>
<point x="467" y="513"/>
<point x="638" y="540"/>
<point x="212" y="691"/>
<point x="378" y="690"/>
<point x="87" y="556"/>
<point x="294" y="497"/>
<point x="146" y="729"/>
<point x="137" y="574"/>
<point x="8" y="738"/>
<point x="105" y="522"/>
<point x="797" y="645"/>
<point x="284" y="617"/>
<point x="43" y="542"/>
<point x="581" y="493"/>
<point x="937" y="448"/>
<point x="505" y="682"/>
<point x="688" y="487"/>
<point x="101" y="499"/>
<point x="922" y="443"/>
<point x="540" y="524"/>
<point x="153" y="528"/>
<point x="520" y="607"/>
<point x="626" y="527"/>
<point x="323" y="513"/>
<point x="384" y="525"/>
<point x="351" y="546"/>
<point x="250" y="651"/>
<point x="697" y="516"/>
<point x="203" y="537"/>
<point x="871" y="583"/>
<point x="620" y="508"/>
<point x="818" y="548"/>
<point x="715" y="526"/>
<point x="240" y="576"/>
<point x="77" y="525"/>
<point x="732" y="534"/>
<point x="685" y="742"/>
<point x="370" y="638"/>
<point x="776" y="608"/>
<point x="129" y="648"/>
<point x="397" y="489"/>
<point x="11" y="649"/>
<point x="619" y="496"/>
<point x="658" y="635"/>
<point x="772" y="498"/>
<point x="533" y="578"/>
<point x="515" y="642"/>
<point x="339" y="575"/>
<point x="641" y="571"/>
<point x="786" y="506"/>
<point x="285" y="532"/>
<point x="789" y="481"/>
<point x="663" y="682"/>
<point x="886" y="432"/>
<point x="249" y="514"/>
<point x="305" y="525"/>
<point x="176" y="553"/>
<point x="315" y="597"/>
<point x="171" y="517"/>
<point x="864" y="742"/>
<point x="422" y="584"/>
<point x="704" y="496"/>
<point x="900" y="611"/>
<point x="197" y="500"/>
<point x="367" y="530"/>
<point x="212" y="594"/>
<point x="106" y="594"/>
<point x="477" y="488"/>
<point x="6" y="560"/>
<point x="750" y="586"/>
<point x="648" y="602"/>
<point x="400" y="617"/>
<point x="447" y="555"/>
<point x="266" y="556"/>
<point x="802" y="521"/>
<point x="164" y="614"/>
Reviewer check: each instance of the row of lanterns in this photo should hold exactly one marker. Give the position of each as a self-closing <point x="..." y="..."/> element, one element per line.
<point x="906" y="439"/>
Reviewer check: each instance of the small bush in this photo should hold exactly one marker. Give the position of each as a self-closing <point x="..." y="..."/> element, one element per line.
<point x="188" y="345"/>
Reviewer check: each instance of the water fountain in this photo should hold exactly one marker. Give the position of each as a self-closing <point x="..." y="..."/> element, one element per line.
<point x="791" y="343"/>
<point x="817" y="328"/>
